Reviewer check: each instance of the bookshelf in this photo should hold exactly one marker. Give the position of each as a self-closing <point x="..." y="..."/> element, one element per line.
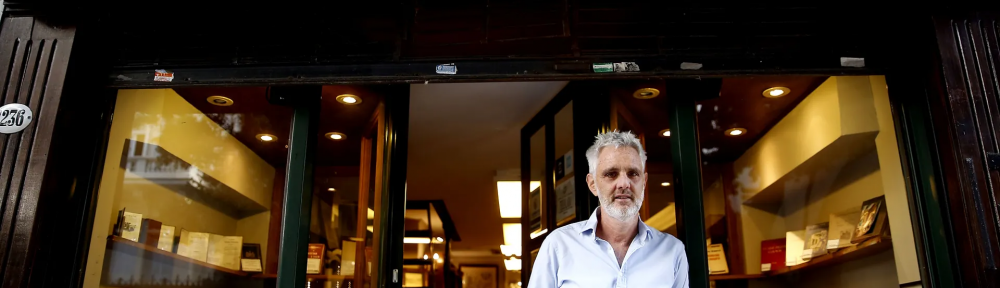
<point x="864" y="249"/>
<point x="116" y="243"/>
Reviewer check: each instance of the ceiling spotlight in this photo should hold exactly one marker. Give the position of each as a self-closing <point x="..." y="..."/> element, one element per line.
<point x="331" y="189"/>
<point x="646" y="93"/>
<point x="665" y="184"/>
<point x="266" y="137"/>
<point x="220" y="100"/>
<point x="775" y="92"/>
<point x="665" y="133"/>
<point x="736" y="131"/>
<point x="349" y="99"/>
<point x="439" y="239"/>
<point x="336" y="136"/>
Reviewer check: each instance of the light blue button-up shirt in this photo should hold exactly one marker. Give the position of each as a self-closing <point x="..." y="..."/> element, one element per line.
<point x="573" y="256"/>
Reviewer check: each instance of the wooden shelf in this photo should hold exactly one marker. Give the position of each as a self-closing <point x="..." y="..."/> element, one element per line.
<point x="734" y="277"/>
<point x="864" y="249"/>
<point x="310" y="277"/>
<point x="115" y="242"/>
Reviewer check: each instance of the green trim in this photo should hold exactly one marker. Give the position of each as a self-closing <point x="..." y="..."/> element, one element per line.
<point x="688" y="195"/>
<point x="298" y="195"/>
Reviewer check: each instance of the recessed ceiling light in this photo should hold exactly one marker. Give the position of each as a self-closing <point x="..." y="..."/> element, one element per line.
<point x="665" y="184"/>
<point x="266" y="137"/>
<point x="736" y="131"/>
<point x="665" y="133"/>
<point x="646" y="93"/>
<point x="335" y="136"/>
<point x="331" y="189"/>
<point x="220" y="100"/>
<point x="349" y="99"/>
<point x="775" y="92"/>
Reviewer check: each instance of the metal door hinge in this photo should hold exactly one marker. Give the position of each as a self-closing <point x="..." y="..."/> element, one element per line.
<point x="395" y="275"/>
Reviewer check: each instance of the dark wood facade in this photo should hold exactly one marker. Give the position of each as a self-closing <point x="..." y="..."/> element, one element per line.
<point x="45" y="209"/>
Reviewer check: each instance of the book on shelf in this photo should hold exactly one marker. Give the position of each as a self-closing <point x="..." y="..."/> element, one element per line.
<point x="772" y="254"/>
<point x="167" y="241"/>
<point x="193" y="245"/>
<point x="224" y="251"/>
<point x="314" y="258"/>
<point x="349" y="257"/>
<point x="842" y="228"/>
<point x="129" y="225"/>
<point x="794" y="243"/>
<point x="815" y="240"/>
<point x="717" y="260"/>
<point x="250" y="258"/>
<point x="149" y="234"/>
<point x="874" y="220"/>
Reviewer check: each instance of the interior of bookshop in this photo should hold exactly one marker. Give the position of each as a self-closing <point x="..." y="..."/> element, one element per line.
<point x="801" y="179"/>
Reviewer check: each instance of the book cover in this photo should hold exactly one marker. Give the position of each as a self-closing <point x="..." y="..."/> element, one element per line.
<point x="193" y="245"/>
<point x="842" y="228"/>
<point x="250" y="261"/>
<point x="772" y="254"/>
<point x="166" y="241"/>
<point x="717" y="260"/>
<point x="873" y="221"/>
<point x="225" y="251"/>
<point x="794" y="241"/>
<point x="150" y="232"/>
<point x="816" y="240"/>
<point x="131" y="226"/>
<point x="314" y="260"/>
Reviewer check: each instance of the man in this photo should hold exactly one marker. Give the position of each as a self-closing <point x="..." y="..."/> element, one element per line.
<point x="613" y="248"/>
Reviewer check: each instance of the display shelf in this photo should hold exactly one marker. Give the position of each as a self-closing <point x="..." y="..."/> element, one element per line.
<point x="115" y="242"/>
<point x="310" y="277"/>
<point x="864" y="249"/>
<point x="734" y="277"/>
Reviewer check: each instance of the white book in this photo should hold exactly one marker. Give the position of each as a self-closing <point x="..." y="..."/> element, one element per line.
<point x="842" y="227"/>
<point x="794" y="244"/>
<point x="166" y="241"/>
<point x="224" y="251"/>
<point x="131" y="225"/>
<point x="717" y="260"/>
<point x="193" y="245"/>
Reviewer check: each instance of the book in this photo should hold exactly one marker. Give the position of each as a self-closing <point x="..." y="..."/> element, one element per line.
<point x="314" y="258"/>
<point x="794" y="241"/>
<point x="873" y="220"/>
<point x="166" y="239"/>
<point x="717" y="260"/>
<point x="842" y="228"/>
<point x="250" y="259"/>
<point x="348" y="259"/>
<point x="193" y="245"/>
<point x="772" y="254"/>
<point x="150" y="232"/>
<point x="129" y="225"/>
<point x="815" y="244"/>
<point x="224" y="251"/>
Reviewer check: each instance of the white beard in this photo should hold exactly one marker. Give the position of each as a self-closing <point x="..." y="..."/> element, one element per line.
<point x="620" y="212"/>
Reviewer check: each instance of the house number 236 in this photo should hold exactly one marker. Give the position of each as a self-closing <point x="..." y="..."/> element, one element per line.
<point x="14" y="117"/>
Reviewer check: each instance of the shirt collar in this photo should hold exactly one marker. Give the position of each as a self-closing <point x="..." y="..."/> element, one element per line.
<point x="590" y="227"/>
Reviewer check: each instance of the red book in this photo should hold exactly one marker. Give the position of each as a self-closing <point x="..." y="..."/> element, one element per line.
<point x="772" y="254"/>
<point x="314" y="259"/>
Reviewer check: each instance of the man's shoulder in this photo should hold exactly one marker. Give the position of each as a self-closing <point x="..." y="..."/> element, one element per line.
<point x="566" y="232"/>
<point x="665" y="240"/>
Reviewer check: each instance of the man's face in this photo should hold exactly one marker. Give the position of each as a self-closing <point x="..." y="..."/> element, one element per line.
<point x="619" y="182"/>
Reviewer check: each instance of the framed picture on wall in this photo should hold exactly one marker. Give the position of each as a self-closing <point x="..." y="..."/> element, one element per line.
<point x="480" y="276"/>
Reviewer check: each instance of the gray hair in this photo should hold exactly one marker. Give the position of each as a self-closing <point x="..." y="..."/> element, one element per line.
<point x="616" y="139"/>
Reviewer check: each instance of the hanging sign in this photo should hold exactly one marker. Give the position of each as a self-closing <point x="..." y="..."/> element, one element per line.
<point x="14" y="117"/>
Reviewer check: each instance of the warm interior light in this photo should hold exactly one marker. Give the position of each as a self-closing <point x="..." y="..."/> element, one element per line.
<point x="512" y="264"/>
<point x="348" y="99"/>
<point x="775" y="92"/>
<point x="371" y="214"/>
<point x="736" y="131"/>
<point x="416" y="240"/>
<point x="665" y="133"/>
<point x="436" y="256"/>
<point x="646" y="93"/>
<point x="266" y="137"/>
<point x="425" y="256"/>
<point x="441" y="260"/>
<point x="371" y="228"/>
<point x="331" y="189"/>
<point x="534" y="235"/>
<point x="509" y="194"/>
<point x="335" y="136"/>
<point x="439" y="239"/>
<point x="509" y="250"/>
<point x="665" y="184"/>
<point x="220" y="100"/>
<point x="512" y="234"/>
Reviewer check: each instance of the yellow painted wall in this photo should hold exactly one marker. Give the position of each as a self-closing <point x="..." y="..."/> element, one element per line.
<point x="169" y="121"/>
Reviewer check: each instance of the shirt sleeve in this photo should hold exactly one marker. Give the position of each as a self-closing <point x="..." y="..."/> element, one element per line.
<point x="681" y="270"/>
<point x="543" y="272"/>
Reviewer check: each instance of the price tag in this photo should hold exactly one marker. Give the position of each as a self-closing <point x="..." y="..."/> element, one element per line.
<point x="765" y="267"/>
<point x="14" y="117"/>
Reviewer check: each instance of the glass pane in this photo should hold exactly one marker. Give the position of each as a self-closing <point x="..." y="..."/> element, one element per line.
<point x="191" y="189"/>
<point x="536" y="221"/>
<point x="565" y="187"/>
<point x="804" y="173"/>
<point x="347" y="194"/>
<point x="649" y="120"/>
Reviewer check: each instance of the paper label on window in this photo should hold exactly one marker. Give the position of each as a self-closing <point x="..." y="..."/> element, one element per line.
<point x="833" y="244"/>
<point x="765" y="267"/>
<point x="160" y="75"/>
